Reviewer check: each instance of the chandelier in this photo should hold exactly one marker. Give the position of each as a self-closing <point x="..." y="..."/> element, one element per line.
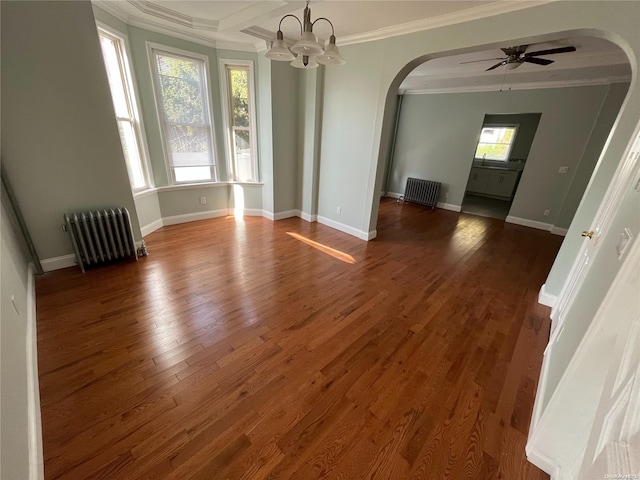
<point x="306" y="52"/>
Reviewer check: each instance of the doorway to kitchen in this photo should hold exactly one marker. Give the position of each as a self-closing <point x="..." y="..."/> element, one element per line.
<point x="500" y="157"/>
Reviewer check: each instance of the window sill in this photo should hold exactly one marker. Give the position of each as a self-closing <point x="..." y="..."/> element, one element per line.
<point x="247" y="184"/>
<point x="188" y="186"/>
<point x="144" y="193"/>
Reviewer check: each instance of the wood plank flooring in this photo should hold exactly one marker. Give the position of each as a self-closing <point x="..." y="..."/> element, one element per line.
<point x="273" y="350"/>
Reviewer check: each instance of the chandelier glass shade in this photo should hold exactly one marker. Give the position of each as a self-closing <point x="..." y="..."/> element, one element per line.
<point x="306" y="52"/>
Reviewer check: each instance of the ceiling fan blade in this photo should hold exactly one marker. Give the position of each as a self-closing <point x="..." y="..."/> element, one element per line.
<point x="496" y="65"/>
<point x="484" y="60"/>
<point x="551" y="51"/>
<point x="538" y="61"/>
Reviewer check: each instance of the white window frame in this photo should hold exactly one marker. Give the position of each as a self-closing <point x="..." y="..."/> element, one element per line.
<point x="513" y="141"/>
<point x="225" y="95"/>
<point x="132" y="92"/>
<point x="151" y="47"/>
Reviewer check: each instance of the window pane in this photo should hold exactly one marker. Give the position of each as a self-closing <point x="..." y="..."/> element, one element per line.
<point x="123" y="97"/>
<point x="180" y="82"/>
<point x="192" y="174"/>
<point x="130" y="148"/>
<point x="240" y="123"/>
<point x="189" y="145"/>
<point x="239" y="80"/>
<point x="495" y="143"/>
<point x="242" y="152"/>
<point x="112" y="62"/>
<point x="492" y="151"/>
<point x="182" y="98"/>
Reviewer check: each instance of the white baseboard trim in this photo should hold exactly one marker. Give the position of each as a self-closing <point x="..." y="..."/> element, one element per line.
<point x="309" y="217"/>
<point x="152" y="227"/>
<point x="546" y="298"/>
<point x="34" y="421"/>
<point x="543" y="462"/>
<point x="443" y="205"/>
<point x="559" y="231"/>
<point x="249" y="212"/>
<point x="345" y="228"/>
<point x="371" y="235"/>
<point x="449" y="206"/>
<point x="529" y="223"/>
<point x="286" y="214"/>
<point x="193" y="217"/>
<point x="56" y="263"/>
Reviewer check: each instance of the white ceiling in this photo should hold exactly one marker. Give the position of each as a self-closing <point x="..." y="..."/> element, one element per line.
<point x="245" y="25"/>
<point x="221" y="23"/>
<point x="594" y="61"/>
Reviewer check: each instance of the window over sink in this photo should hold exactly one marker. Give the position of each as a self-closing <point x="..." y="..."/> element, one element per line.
<point x="496" y="142"/>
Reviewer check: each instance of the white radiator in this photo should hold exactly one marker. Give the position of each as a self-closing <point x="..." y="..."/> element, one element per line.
<point x="101" y="236"/>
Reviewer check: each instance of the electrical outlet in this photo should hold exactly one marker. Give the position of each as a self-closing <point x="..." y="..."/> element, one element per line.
<point x="339" y="210"/>
<point x="203" y="200"/>
<point x="563" y="170"/>
<point x="546" y="213"/>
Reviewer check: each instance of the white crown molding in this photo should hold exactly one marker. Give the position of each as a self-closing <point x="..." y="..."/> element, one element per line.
<point x="113" y="10"/>
<point x="475" y="13"/>
<point x="169" y="15"/>
<point x="241" y="47"/>
<point x="520" y="86"/>
<point x="180" y="31"/>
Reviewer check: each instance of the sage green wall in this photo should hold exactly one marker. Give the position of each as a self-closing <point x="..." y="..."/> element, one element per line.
<point x="265" y="132"/>
<point x="14" y="427"/>
<point x="437" y="138"/>
<point x="284" y="94"/>
<point x="348" y="151"/>
<point x="60" y="142"/>
<point x="356" y="95"/>
<point x="601" y="131"/>
<point x="187" y="200"/>
<point x="148" y="208"/>
<point x="309" y="133"/>
<point x="250" y="196"/>
<point x="588" y="204"/>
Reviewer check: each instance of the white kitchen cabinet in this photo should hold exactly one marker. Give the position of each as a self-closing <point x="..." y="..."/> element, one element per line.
<point x="492" y="182"/>
<point x="478" y="180"/>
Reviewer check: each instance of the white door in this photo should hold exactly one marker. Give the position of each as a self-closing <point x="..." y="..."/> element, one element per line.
<point x="598" y="228"/>
<point x="613" y="449"/>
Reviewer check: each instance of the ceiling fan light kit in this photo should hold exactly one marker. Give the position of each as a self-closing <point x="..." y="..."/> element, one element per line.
<point x="306" y="52"/>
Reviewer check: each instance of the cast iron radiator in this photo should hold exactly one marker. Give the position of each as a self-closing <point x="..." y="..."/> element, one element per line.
<point x="101" y="236"/>
<point x="423" y="192"/>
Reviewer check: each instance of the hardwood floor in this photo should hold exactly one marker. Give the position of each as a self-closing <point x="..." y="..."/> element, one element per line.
<point x="271" y="350"/>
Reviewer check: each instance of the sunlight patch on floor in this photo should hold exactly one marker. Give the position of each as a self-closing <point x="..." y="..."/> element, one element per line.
<point x="345" y="257"/>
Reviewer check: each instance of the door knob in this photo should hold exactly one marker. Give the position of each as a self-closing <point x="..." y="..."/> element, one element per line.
<point x="587" y="234"/>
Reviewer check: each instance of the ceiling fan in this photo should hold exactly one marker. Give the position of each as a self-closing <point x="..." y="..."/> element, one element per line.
<point x="516" y="56"/>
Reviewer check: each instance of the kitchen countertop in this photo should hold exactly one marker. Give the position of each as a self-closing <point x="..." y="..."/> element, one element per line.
<point x="507" y="169"/>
